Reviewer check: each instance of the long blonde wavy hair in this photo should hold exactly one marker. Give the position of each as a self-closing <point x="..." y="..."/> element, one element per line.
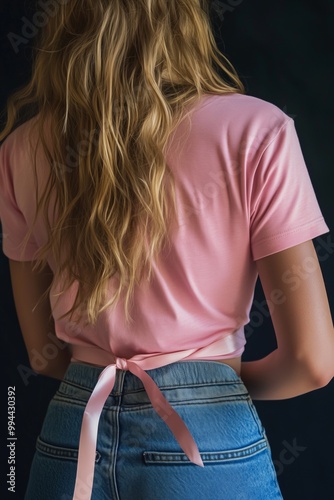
<point x="124" y="70"/>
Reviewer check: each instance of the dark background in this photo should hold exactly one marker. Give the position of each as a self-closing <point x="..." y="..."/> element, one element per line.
<point x="282" y="51"/>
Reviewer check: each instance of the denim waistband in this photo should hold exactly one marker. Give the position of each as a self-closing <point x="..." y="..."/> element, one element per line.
<point x="178" y="374"/>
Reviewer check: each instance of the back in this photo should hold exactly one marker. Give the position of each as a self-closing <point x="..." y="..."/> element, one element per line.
<point x="243" y="193"/>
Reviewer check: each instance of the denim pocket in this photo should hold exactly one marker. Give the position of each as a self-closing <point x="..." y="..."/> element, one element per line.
<point x="176" y="458"/>
<point x="60" y="434"/>
<point x="71" y="393"/>
<point x="62" y="452"/>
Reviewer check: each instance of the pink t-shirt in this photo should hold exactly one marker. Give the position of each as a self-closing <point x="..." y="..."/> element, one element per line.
<point x="243" y="192"/>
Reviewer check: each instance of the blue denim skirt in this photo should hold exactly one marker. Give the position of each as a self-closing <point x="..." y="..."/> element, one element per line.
<point x="137" y="455"/>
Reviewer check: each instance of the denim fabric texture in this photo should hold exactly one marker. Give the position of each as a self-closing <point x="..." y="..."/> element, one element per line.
<point x="137" y="456"/>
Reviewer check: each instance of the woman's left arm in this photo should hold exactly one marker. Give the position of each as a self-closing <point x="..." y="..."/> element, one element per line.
<point x="47" y="354"/>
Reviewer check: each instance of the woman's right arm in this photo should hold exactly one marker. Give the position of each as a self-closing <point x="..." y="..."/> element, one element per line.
<point x="304" y="359"/>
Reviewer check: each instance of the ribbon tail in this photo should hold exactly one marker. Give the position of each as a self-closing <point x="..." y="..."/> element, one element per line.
<point x="169" y="415"/>
<point x="88" y="436"/>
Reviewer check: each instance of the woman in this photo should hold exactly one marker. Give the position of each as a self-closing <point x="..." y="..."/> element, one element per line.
<point x="146" y="272"/>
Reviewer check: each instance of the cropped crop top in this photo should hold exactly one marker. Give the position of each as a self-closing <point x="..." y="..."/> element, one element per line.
<point x="243" y="193"/>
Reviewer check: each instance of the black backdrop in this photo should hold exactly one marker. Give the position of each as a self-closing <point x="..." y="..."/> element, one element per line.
<point x="283" y="53"/>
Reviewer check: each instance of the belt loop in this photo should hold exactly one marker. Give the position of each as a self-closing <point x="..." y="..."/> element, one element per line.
<point x="119" y="382"/>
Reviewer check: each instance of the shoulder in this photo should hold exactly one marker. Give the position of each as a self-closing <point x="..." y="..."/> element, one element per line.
<point x="242" y="125"/>
<point x="245" y="112"/>
<point x="17" y="140"/>
<point x="20" y="132"/>
<point x="15" y="148"/>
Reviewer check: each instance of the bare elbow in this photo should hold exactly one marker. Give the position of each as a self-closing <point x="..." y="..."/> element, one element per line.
<point x="320" y="376"/>
<point x="324" y="379"/>
<point x="323" y="365"/>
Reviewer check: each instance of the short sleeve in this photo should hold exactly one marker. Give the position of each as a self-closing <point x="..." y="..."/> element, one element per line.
<point x="14" y="226"/>
<point x="284" y="209"/>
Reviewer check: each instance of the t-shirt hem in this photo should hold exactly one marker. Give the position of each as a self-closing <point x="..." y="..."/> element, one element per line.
<point x="289" y="239"/>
